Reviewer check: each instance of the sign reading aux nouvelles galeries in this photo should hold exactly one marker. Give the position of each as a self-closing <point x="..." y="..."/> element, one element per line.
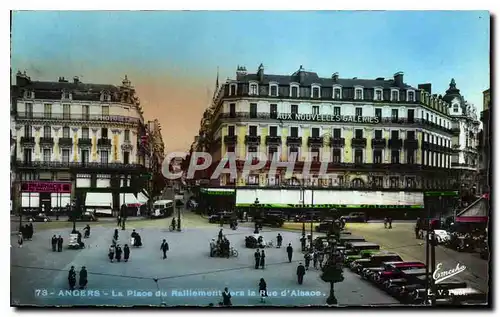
<point x="327" y="118"/>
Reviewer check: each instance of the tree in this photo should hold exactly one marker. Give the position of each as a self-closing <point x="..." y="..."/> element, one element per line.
<point x="332" y="271"/>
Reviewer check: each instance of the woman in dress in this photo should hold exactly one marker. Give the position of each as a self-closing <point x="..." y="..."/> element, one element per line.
<point x="111" y="253"/>
<point x="262" y="290"/>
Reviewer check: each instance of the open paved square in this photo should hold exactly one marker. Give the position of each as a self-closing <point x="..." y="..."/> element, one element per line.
<point x="39" y="276"/>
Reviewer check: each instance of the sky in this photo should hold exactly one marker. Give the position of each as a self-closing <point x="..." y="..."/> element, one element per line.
<point x="172" y="57"/>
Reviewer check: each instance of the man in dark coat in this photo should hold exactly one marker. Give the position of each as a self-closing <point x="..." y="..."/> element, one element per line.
<point x="119" y="221"/>
<point x="59" y="243"/>
<point x="307" y="258"/>
<point x="315" y="259"/>
<point x="164" y="248"/>
<point x="220" y="235"/>
<point x="226" y="297"/>
<point x="289" y="250"/>
<point x="30" y="230"/>
<point x="83" y="278"/>
<point x="126" y="253"/>
<point x="279" y="240"/>
<point x="72" y="278"/>
<point x="303" y="243"/>
<point x="86" y="231"/>
<point x="301" y="271"/>
<point x="390" y="222"/>
<point x="118" y="253"/>
<point x="257" y="258"/>
<point x="262" y="259"/>
<point x="54" y="243"/>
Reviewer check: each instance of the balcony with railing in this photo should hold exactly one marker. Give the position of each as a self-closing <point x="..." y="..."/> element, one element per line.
<point x="379" y="143"/>
<point x="395" y="143"/>
<point x="411" y="144"/>
<point x="337" y="142"/>
<point x="46" y="141"/>
<point x="273" y="140"/>
<point x="252" y="139"/>
<point x="104" y="142"/>
<point x="78" y="165"/>
<point x="84" y="142"/>
<point x="358" y="142"/>
<point x="68" y="142"/>
<point x="315" y="141"/>
<point x="27" y="140"/>
<point x="294" y="140"/>
<point x="37" y="116"/>
<point x="230" y="139"/>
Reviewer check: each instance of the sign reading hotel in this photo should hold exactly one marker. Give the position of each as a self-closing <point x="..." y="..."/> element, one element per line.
<point x="327" y="118"/>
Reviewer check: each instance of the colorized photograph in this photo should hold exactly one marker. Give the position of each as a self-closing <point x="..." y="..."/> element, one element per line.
<point x="250" y="159"/>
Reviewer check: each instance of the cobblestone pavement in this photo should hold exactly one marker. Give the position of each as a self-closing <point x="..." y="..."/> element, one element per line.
<point x="38" y="275"/>
<point x="401" y="239"/>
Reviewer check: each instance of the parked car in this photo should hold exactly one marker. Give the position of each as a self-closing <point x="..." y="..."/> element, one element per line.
<point x="226" y="217"/>
<point x="374" y="260"/>
<point x="362" y="254"/>
<point x="41" y="217"/>
<point x="307" y="217"/>
<point x="354" y="217"/>
<point x="324" y="226"/>
<point x="392" y="270"/>
<point x="442" y="236"/>
<point x="87" y="216"/>
<point x="346" y="238"/>
<point x="273" y="219"/>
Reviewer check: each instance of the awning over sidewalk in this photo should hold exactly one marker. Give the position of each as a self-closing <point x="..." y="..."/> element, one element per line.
<point x="130" y="200"/>
<point x="142" y="198"/>
<point x="471" y="219"/>
<point x="479" y="208"/>
<point x="99" y="200"/>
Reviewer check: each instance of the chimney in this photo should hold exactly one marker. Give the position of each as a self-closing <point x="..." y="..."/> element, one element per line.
<point x="241" y="71"/>
<point x="76" y="80"/>
<point x="302" y="74"/>
<point x="398" y="79"/>
<point x="62" y="80"/>
<point x="426" y="87"/>
<point x="335" y="76"/>
<point x="260" y="73"/>
<point x="22" y="79"/>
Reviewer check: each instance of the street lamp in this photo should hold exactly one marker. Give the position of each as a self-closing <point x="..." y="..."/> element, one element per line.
<point x="73" y="213"/>
<point x="255" y="217"/>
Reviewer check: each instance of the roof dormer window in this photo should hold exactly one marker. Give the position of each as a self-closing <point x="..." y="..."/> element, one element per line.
<point x="29" y="94"/>
<point x="273" y="90"/>
<point x="66" y="95"/>
<point x="232" y="89"/>
<point x="378" y="94"/>
<point x="394" y="95"/>
<point x="337" y="92"/>
<point x="358" y="93"/>
<point x="315" y="91"/>
<point x="105" y="96"/>
<point x="410" y="96"/>
<point x="455" y="107"/>
<point x="254" y="89"/>
<point x="294" y="91"/>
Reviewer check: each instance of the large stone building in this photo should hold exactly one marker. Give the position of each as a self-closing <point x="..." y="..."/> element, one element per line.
<point x="486" y="142"/>
<point x="385" y="141"/>
<point x="77" y="141"/>
<point x="156" y="152"/>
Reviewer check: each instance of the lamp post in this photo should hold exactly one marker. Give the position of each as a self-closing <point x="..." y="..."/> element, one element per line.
<point x="256" y="203"/>
<point x="178" y="217"/>
<point x="73" y="215"/>
<point x="303" y="239"/>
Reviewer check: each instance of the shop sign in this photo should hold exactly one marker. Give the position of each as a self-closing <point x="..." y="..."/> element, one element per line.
<point x="46" y="187"/>
<point x="327" y="118"/>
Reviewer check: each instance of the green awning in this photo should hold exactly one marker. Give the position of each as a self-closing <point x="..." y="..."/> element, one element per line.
<point x="330" y="206"/>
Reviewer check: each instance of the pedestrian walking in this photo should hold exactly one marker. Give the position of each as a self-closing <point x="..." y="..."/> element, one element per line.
<point x="289" y="250"/>
<point x="262" y="290"/>
<point x="119" y="221"/>
<point x="111" y="253"/>
<point x="115" y="235"/>
<point x="257" y="258"/>
<point x="59" y="243"/>
<point x="20" y="240"/>
<point x="226" y="297"/>
<point x="30" y="231"/>
<point x="220" y="235"/>
<point x="307" y="258"/>
<point x="118" y="253"/>
<point x="279" y="240"/>
<point x="262" y="259"/>
<point x="126" y="253"/>
<point x="386" y="222"/>
<point x="321" y="258"/>
<point x="72" y="278"/>
<point x="83" y="278"/>
<point x="390" y="222"/>
<point x="301" y="271"/>
<point x="315" y="259"/>
<point x="54" y="243"/>
<point x="164" y="248"/>
<point x="303" y="241"/>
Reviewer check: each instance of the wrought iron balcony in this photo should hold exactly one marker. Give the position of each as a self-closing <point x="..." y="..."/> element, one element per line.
<point x="395" y="143"/>
<point x="361" y="142"/>
<point x="230" y="139"/>
<point x="79" y="165"/>
<point x="84" y="142"/>
<point x="411" y="144"/>
<point x="293" y="140"/>
<point x="273" y="140"/>
<point x="313" y="140"/>
<point x="34" y="116"/>
<point x="337" y="142"/>
<point x="65" y="142"/>
<point x="252" y="139"/>
<point x="46" y="141"/>
<point x="379" y="143"/>
<point x="104" y="142"/>
<point x="27" y="140"/>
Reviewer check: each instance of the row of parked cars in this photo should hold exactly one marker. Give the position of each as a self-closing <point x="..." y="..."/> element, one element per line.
<point x="404" y="280"/>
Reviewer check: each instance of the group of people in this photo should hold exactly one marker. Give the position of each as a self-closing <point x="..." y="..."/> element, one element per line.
<point x="221" y="247"/>
<point x="388" y="223"/>
<point x="135" y="239"/>
<point x="260" y="259"/>
<point x="27" y="231"/>
<point x="115" y="252"/>
<point x="82" y="280"/>
<point x="57" y="242"/>
<point x="226" y="295"/>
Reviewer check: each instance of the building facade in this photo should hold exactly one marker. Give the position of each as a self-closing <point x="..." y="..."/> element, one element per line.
<point x="77" y="141"/>
<point x="376" y="135"/>
<point x="156" y="149"/>
<point x="485" y="144"/>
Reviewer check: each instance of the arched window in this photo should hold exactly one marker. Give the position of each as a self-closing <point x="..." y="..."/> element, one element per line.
<point x="357" y="183"/>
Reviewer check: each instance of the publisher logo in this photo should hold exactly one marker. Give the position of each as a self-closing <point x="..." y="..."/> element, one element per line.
<point x="440" y="275"/>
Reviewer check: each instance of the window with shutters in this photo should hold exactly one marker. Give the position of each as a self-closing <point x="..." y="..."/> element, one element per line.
<point x="359" y="112"/>
<point x="337" y="133"/>
<point x="253" y="110"/>
<point x="336" y="93"/>
<point x="377" y="156"/>
<point x="336" y="155"/>
<point x="315" y="110"/>
<point x="85" y="133"/>
<point x="358" y="156"/>
<point x="295" y="109"/>
<point x="47" y="131"/>
<point x="65" y="155"/>
<point x="66" y="132"/>
<point x="104" y="157"/>
<point x="336" y="111"/>
<point x="46" y="155"/>
<point x="294" y="132"/>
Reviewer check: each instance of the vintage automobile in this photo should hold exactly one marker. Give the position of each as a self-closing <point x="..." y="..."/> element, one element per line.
<point x="227" y="217"/>
<point x="363" y="254"/>
<point x="354" y="217"/>
<point x="345" y="238"/>
<point x="392" y="270"/>
<point x="272" y="219"/>
<point x="307" y="217"/>
<point x="354" y="248"/>
<point x="442" y="236"/>
<point x="325" y="226"/>
<point x="40" y="217"/>
<point x="409" y="281"/>
<point x="162" y="209"/>
<point x="374" y="260"/>
<point x="86" y="216"/>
